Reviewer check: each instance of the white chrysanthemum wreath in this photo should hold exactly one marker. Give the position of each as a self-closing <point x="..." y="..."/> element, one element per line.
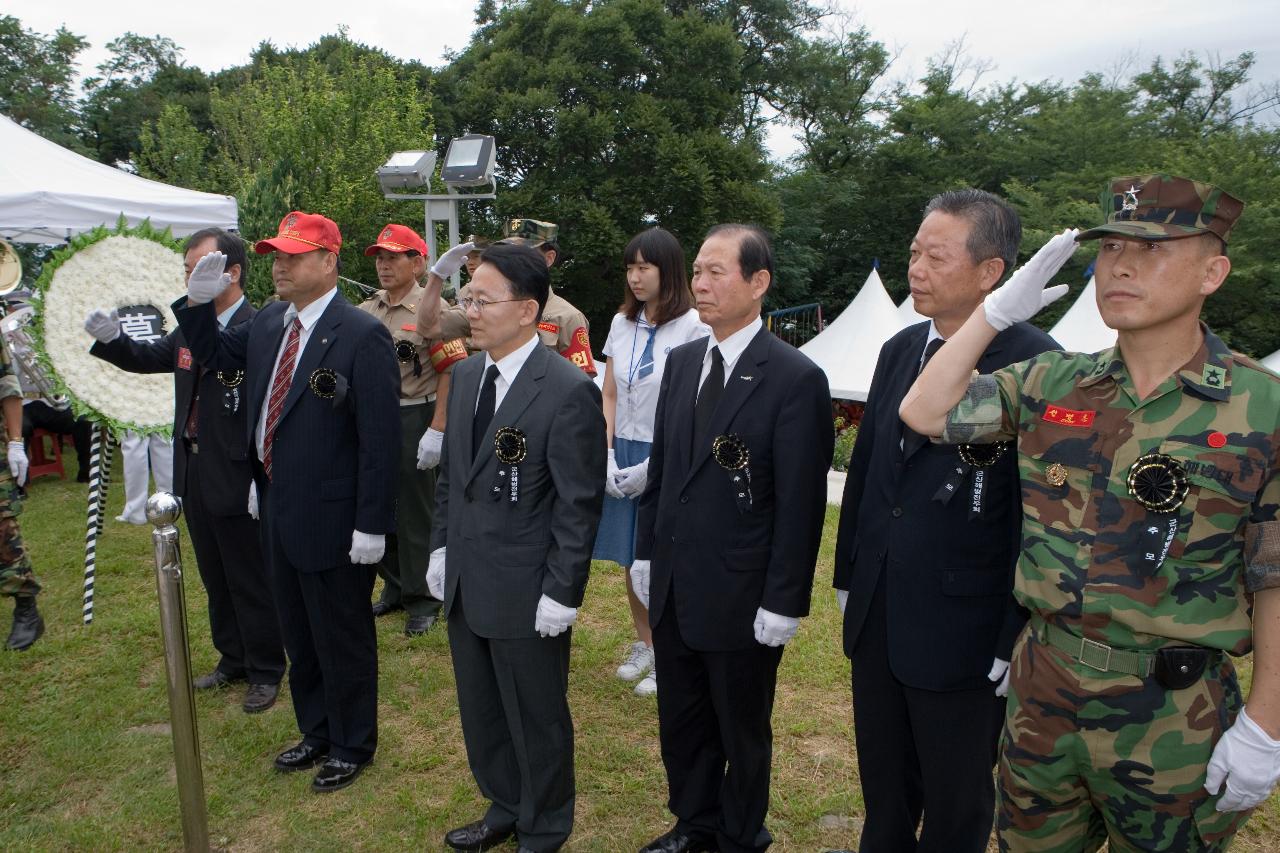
<point x="108" y="269"/>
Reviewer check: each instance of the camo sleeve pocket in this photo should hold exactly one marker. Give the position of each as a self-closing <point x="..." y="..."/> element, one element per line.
<point x="1262" y="555"/>
<point x="981" y="416"/>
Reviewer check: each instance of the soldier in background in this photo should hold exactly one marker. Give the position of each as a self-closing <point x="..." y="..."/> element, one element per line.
<point x="401" y="257"/>
<point x="1151" y="538"/>
<point x="562" y="328"/>
<point x="17" y="579"/>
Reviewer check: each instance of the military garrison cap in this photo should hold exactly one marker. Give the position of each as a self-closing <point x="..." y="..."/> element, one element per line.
<point x="530" y="232"/>
<point x="1165" y="207"/>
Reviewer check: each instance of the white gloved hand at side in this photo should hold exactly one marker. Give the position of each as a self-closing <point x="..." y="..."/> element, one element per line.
<point x="842" y="599"/>
<point x="104" y="325"/>
<point x="611" y="478"/>
<point x="451" y="261"/>
<point x="18" y="464"/>
<point x="207" y="279"/>
<point x="773" y="629"/>
<point x="631" y="481"/>
<point x="367" y="548"/>
<point x="435" y="574"/>
<point x="639" y="572"/>
<point x="999" y="676"/>
<point x="553" y="618"/>
<point x="253" y="500"/>
<point x="429" y="448"/>
<point x="1024" y="294"/>
<point x="1248" y="760"/>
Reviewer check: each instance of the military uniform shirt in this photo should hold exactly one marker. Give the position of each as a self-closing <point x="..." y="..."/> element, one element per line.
<point x="1096" y="562"/>
<point x="563" y="328"/>
<point x="9" y="385"/>
<point x="421" y="360"/>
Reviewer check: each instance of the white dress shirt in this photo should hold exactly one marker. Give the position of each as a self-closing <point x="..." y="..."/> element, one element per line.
<point x="225" y="317"/>
<point x="731" y="349"/>
<point x="307" y="317"/>
<point x="637" y="399"/>
<point x="508" y="368"/>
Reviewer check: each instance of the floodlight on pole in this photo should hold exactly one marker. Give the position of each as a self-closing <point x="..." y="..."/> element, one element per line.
<point x="407" y="170"/>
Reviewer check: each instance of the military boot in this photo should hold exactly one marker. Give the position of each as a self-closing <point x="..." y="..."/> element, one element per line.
<point x="27" y="624"/>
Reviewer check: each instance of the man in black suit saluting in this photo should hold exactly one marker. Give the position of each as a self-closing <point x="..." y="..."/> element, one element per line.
<point x="726" y="542"/>
<point x="323" y="420"/>
<point x="518" y="499"/>
<point x="928" y="538"/>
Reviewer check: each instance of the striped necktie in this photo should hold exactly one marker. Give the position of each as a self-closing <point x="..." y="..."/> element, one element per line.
<point x="279" y="390"/>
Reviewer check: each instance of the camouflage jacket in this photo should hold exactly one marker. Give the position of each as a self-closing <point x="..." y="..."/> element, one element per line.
<point x="1094" y="560"/>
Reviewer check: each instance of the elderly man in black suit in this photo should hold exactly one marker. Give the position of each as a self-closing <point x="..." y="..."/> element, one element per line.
<point x="726" y="543"/>
<point x="518" y="498"/>
<point x="928" y="538"/>
<point x="211" y="475"/>
<point x="323" y="420"/>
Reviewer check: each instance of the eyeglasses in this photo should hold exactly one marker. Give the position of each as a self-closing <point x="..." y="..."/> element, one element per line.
<point x="468" y="303"/>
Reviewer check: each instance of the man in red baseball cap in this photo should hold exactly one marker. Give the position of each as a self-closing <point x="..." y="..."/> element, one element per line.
<point x="401" y="259"/>
<point x="324" y="472"/>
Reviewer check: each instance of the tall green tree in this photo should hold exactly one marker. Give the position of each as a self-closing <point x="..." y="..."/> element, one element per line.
<point x="37" y="80"/>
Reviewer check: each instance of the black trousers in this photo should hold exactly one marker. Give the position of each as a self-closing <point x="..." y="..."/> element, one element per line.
<point x="333" y="650"/>
<point x="714" y="712"/>
<point x="517" y="728"/>
<point x="921" y="751"/>
<point x="242" y="613"/>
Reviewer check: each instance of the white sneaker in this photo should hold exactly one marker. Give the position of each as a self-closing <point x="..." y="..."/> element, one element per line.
<point x="648" y="685"/>
<point x="639" y="661"/>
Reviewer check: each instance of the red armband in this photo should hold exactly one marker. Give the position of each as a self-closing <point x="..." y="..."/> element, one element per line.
<point x="579" y="351"/>
<point x="447" y="354"/>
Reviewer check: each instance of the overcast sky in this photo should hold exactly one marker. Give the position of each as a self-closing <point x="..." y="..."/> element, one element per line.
<point x="1023" y="39"/>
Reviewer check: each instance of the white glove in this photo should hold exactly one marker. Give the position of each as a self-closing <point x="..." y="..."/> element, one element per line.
<point x="429" y="447"/>
<point x="773" y="629"/>
<point x="103" y="325"/>
<point x="367" y="548"/>
<point x="207" y="280"/>
<point x="631" y="480"/>
<point x="553" y="618"/>
<point x="639" y="572"/>
<point x="18" y="461"/>
<point x="435" y="574"/>
<point x="451" y="261"/>
<point x="253" y="499"/>
<point x="611" y="479"/>
<point x="1249" y="760"/>
<point x="842" y="599"/>
<point x="999" y="676"/>
<point x="1024" y="294"/>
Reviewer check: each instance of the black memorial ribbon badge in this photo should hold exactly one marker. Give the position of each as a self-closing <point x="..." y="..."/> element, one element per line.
<point x="731" y="454"/>
<point x="511" y="447"/>
<point x="406" y="352"/>
<point x="975" y="459"/>
<point x="231" y="380"/>
<point x="323" y="383"/>
<point x="1159" y="484"/>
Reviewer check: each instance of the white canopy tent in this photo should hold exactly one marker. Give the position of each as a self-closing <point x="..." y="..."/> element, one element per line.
<point x="907" y="314"/>
<point x="48" y="194"/>
<point x="1272" y="362"/>
<point x="848" y="347"/>
<point x="1081" y="329"/>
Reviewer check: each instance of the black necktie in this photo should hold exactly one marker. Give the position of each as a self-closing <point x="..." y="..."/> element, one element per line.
<point x="708" y="396"/>
<point x="484" y="410"/>
<point x="912" y="440"/>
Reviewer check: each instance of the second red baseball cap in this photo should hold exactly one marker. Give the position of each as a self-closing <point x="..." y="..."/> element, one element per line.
<point x="398" y="238"/>
<point x="302" y="232"/>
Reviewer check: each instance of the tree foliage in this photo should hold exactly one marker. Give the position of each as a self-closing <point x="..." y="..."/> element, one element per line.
<point x="37" y="77"/>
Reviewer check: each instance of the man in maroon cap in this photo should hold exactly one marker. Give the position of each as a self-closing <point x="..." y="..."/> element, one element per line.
<point x="401" y="259"/>
<point x="324" y="425"/>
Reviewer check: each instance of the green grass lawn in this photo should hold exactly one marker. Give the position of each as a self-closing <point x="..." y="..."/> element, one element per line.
<point x="86" y="755"/>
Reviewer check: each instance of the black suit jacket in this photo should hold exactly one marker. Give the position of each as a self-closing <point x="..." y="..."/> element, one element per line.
<point x="506" y="555"/>
<point x="334" y="460"/>
<point x="725" y="560"/>
<point x="948" y="575"/>
<point x="220" y="422"/>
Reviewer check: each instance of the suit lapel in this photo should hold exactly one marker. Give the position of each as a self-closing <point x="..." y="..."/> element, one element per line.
<point x="911" y="441"/>
<point x="518" y="397"/>
<point x="321" y="338"/>
<point x="747" y="375"/>
<point x="467" y="387"/>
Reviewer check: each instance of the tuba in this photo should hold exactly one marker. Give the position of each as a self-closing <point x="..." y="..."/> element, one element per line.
<point x="31" y="376"/>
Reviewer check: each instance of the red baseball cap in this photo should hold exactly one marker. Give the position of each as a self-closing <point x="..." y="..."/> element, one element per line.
<point x="398" y="238"/>
<point x="302" y="232"/>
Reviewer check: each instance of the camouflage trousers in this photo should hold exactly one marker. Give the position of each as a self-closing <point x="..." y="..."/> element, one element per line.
<point x="1089" y="757"/>
<point x="16" y="576"/>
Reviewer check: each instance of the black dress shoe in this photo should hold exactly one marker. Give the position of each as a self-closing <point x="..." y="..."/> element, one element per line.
<point x="260" y="697"/>
<point x="382" y="608"/>
<point x="336" y="774"/>
<point x="476" y="837"/>
<point x="217" y="678"/>
<point x="27" y="624"/>
<point x="675" y="841"/>
<point x="416" y="626"/>
<point x="304" y="756"/>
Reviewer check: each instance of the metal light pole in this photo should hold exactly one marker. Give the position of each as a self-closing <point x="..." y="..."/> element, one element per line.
<point x="163" y="510"/>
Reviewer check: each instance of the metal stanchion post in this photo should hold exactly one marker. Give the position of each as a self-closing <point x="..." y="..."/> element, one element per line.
<point x="163" y="510"/>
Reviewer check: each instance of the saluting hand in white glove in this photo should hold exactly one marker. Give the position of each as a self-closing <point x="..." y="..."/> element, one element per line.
<point x="451" y="261"/>
<point x="1024" y="294"/>
<point x="208" y="279"/>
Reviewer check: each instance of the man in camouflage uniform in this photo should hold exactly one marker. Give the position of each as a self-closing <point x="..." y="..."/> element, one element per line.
<point x="1151" y="539"/>
<point x="16" y="576"/>
<point x="562" y="327"/>
<point x="401" y="256"/>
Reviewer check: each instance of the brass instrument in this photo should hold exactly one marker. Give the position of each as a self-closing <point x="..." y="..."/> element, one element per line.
<point x="31" y="375"/>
